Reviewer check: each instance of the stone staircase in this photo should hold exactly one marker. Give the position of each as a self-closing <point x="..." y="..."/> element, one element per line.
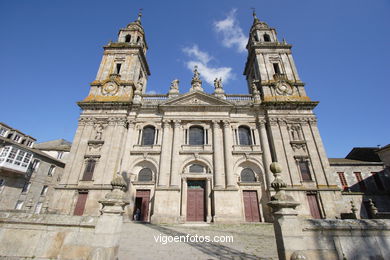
<point x="250" y="241"/>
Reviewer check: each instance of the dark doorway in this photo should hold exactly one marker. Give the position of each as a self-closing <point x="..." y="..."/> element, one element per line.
<point x="142" y="203"/>
<point x="251" y="205"/>
<point x="196" y="200"/>
<point x="314" y="205"/>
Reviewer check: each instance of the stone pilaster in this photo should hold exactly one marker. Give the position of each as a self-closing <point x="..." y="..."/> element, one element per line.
<point x="164" y="157"/>
<point x="128" y="146"/>
<point x="175" y="154"/>
<point x="218" y="156"/>
<point x="227" y="137"/>
<point x="266" y="151"/>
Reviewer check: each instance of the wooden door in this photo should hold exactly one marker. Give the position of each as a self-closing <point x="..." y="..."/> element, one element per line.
<point x="251" y="206"/>
<point x="144" y="195"/>
<point x="195" y="201"/>
<point x="80" y="204"/>
<point x="314" y="206"/>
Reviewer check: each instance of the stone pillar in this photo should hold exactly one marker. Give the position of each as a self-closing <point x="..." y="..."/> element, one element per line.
<point x="109" y="225"/>
<point x="208" y="200"/>
<point x="175" y="154"/>
<point x="227" y="137"/>
<point x="218" y="156"/>
<point x="183" y="210"/>
<point x="266" y="151"/>
<point x="288" y="229"/>
<point x="164" y="156"/>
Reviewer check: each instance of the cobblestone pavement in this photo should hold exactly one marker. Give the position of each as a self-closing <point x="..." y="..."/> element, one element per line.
<point x="250" y="241"/>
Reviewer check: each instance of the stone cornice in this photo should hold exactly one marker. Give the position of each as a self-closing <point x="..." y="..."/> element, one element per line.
<point x="96" y="105"/>
<point x="280" y="105"/>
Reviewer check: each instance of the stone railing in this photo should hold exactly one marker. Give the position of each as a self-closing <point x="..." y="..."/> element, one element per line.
<point x="154" y="99"/>
<point x="239" y="99"/>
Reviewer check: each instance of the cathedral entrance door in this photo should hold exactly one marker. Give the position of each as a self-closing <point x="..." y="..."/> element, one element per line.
<point x="196" y="200"/>
<point x="142" y="198"/>
<point x="251" y="206"/>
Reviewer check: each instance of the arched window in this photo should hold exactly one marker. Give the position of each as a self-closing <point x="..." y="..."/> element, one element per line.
<point x="148" y="135"/>
<point x="138" y="39"/>
<point x="145" y="175"/>
<point x="244" y="135"/>
<point x="197" y="168"/>
<point x="247" y="175"/>
<point x="255" y="37"/>
<point x="267" y="38"/>
<point x="128" y="38"/>
<point x="196" y="135"/>
<point x="89" y="169"/>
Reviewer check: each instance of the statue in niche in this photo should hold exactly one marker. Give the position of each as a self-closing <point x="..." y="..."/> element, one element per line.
<point x="99" y="132"/>
<point x="296" y="133"/>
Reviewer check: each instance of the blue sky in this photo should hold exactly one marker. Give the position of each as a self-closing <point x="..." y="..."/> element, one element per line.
<point x="50" y="51"/>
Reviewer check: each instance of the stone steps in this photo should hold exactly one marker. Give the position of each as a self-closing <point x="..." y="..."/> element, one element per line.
<point x="250" y="241"/>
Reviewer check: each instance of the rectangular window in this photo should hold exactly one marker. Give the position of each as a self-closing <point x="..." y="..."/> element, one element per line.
<point x="118" y="68"/>
<point x="4" y="153"/>
<point x="360" y="181"/>
<point x="3" y="131"/>
<point x="51" y="170"/>
<point x="276" y="68"/>
<point x="16" y="138"/>
<point x="26" y="187"/>
<point x="80" y="204"/>
<point x="35" y="165"/>
<point x="44" y="190"/>
<point x="89" y="169"/>
<point x="343" y="181"/>
<point x="38" y="208"/>
<point x="378" y="181"/>
<point x="305" y="170"/>
<point x="12" y="155"/>
<point x="19" y="204"/>
<point x="314" y="205"/>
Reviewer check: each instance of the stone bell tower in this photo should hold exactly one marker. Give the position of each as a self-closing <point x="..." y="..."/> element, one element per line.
<point x="97" y="147"/>
<point x="123" y="68"/>
<point x="270" y="65"/>
<point x="294" y="138"/>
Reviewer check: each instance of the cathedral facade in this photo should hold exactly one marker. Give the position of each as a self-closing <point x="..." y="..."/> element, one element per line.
<point x="197" y="156"/>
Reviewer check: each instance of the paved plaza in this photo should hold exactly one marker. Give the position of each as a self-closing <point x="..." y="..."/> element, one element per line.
<point x="250" y="241"/>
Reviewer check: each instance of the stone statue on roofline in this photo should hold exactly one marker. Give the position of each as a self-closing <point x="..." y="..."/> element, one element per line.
<point x="219" y="92"/>
<point x="174" y="89"/>
<point x="196" y="82"/>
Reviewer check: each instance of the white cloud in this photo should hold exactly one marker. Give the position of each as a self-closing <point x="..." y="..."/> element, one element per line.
<point x="151" y="92"/>
<point x="232" y="34"/>
<point x="207" y="72"/>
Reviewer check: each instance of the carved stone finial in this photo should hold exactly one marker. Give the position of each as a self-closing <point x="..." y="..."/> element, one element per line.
<point x="196" y="82"/>
<point x="114" y="201"/>
<point x="139" y="15"/>
<point x="281" y="203"/>
<point x="138" y="92"/>
<point x="254" y="13"/>
<point x="353" y="208"/>
<point x="373" y="209"/>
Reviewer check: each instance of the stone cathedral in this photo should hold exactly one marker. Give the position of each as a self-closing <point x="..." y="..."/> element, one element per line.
<point x="197" y="156"/>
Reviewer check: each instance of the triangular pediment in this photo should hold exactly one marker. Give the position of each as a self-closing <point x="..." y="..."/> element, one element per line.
<point x="196" y="99"/>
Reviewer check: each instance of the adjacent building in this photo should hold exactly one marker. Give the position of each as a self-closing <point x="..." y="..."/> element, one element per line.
<point x="27" y="175"/>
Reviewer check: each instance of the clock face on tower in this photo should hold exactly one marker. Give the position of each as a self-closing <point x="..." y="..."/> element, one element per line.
<point x="284" y="89"/>
<point x="110" y="89"/>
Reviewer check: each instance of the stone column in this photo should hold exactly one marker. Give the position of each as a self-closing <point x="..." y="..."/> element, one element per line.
<point x="164" y="156"/>
<point x="218" y="156"/>
<point x="175" y="154"/>
<point x="266" y="151"/>
<point x="227" y="137"/>
<point x="208" y="200"/>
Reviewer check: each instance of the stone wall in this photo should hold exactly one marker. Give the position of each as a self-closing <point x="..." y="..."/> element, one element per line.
<point x="31" y="236"/>
<point x="332" y="239"/>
